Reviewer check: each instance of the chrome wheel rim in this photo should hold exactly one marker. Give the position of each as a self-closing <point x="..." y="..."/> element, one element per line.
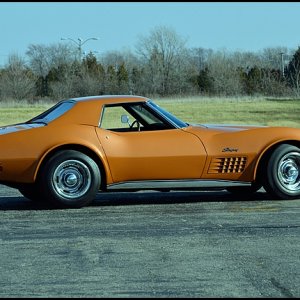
<point x="72" y="179"/>
<point x="289" y="172"/>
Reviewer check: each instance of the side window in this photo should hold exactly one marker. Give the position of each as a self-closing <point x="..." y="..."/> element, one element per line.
<point x="131" y="118"/>
<point x="111" y="118"/>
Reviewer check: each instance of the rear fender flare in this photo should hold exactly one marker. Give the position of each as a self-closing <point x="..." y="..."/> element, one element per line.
<point x="93" y="152"/>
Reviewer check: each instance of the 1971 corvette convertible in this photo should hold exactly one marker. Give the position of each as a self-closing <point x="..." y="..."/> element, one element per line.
<point x="83" y="146"/>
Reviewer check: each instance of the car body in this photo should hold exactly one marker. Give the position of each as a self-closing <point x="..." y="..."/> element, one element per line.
<point x="83" y="146"/>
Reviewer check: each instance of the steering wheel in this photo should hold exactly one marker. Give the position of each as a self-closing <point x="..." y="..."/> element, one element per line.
<point x="137" y="123"/>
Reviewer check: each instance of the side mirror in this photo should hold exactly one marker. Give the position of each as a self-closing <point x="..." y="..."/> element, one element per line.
<point x="125" y="119"/>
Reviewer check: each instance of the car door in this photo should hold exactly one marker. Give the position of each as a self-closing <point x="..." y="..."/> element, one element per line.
<point x="153" y="155"/>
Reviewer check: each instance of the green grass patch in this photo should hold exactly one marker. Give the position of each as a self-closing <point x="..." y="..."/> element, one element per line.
<point x="249" y="111"/>
<point x="20" y="112"/>
<point x="197" y="110"/>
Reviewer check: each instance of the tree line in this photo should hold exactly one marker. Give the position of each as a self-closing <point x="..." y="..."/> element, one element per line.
<point x="160" y="66"/>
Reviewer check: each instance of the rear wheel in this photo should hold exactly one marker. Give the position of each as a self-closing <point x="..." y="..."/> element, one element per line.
<point x="282" y="174"/>
<point x="70" y="179"/>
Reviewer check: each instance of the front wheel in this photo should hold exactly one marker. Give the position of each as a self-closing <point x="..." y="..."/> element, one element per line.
<point x="70" y="179"/>
<point x="282" y="176"/>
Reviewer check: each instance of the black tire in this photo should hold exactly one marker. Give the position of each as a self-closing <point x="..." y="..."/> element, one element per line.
<point x="244" y="190"/>
<point x="282" y="173"/>
<point x="70" y="179"/>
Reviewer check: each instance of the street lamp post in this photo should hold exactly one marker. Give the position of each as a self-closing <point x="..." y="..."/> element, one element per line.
<point x="80" y="43"/>
<point x="282" y="63"/>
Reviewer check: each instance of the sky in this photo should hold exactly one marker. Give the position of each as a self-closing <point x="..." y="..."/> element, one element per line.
<point x="234" y="26"/>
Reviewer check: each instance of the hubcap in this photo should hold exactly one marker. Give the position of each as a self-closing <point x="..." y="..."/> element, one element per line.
<point x="72" y="179"/>
<point x="289" y="170"/>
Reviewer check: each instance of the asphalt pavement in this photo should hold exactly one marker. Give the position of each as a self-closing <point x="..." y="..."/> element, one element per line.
<point x="151" y="244"/>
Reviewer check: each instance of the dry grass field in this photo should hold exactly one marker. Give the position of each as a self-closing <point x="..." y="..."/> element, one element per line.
<point x="252" y="111"/>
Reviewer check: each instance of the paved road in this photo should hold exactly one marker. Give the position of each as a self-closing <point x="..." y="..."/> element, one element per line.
<point x="151" y="244"/>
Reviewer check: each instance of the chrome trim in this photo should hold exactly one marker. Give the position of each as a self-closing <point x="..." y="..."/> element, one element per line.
<point x="72" y="179"/>
<point x="175" y="184"/>
<point x="162" y="115"/>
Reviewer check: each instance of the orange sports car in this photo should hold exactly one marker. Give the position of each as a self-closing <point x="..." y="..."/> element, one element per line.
<point x="83" y="146"/>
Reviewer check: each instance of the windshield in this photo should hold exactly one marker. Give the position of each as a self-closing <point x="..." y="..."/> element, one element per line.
<point x="53" y="112"/>
<point x="175" y="121"/>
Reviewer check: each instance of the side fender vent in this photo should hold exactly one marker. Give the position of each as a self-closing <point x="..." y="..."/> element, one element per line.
<point x="220" y="165"/>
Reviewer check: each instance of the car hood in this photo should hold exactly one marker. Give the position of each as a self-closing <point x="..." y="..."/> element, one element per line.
<point x="18" y="127"/>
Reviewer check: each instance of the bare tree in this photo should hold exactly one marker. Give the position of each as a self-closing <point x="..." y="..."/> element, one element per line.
<point x="75" y="86"/>
<point x="223" y="69"/>
<point x="198" y="58"/>
<point x="292" y="75"/>
<point x="43" y="58"/>
<point x="271" y="58"/>
<point x="17" y="81"/>
<point x="161" y="66"/>
<point x="121" y="61"/>
<point x="162" y="52"/>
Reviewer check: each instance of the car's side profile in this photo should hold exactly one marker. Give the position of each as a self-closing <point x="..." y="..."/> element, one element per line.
<point x="83" y="146"/>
